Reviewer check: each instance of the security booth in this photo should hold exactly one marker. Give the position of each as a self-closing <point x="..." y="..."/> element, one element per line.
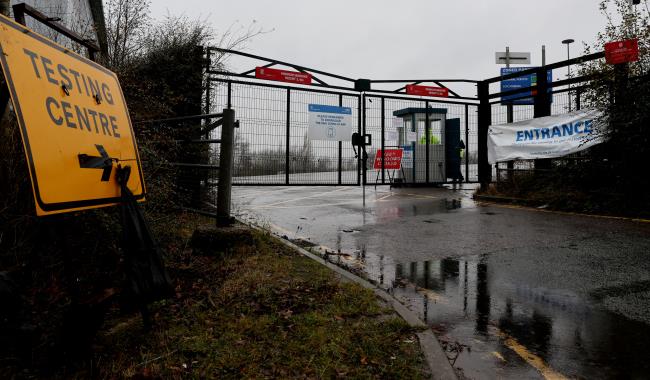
<point x="436" y="160"/>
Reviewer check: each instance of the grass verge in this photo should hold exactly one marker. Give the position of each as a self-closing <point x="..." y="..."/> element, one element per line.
<point x="260" y="310"/>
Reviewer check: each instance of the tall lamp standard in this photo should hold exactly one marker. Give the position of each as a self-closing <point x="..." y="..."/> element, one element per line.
<point x="568" y="42"/>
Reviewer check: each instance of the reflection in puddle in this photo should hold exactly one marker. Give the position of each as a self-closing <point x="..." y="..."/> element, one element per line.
<point x="388" y="212"/>
<point x="511" y="328"/>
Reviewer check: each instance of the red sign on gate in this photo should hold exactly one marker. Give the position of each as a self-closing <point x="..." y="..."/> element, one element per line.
<point x="392" y="159"/>
<point x="282" y="75"/>
<point x="622" y="51"/>
<point x="439" y="92"/>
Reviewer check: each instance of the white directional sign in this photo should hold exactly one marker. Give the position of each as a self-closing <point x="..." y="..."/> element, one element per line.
<point x="515" y="57"/>
<point x="329" y="123"/>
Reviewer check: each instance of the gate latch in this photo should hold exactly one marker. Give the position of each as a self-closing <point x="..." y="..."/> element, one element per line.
<point x="361" y="141"/>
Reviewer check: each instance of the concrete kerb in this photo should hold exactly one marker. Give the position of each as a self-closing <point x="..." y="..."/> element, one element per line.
<point x="435" y="357"/>
<point x="524" y="204"/>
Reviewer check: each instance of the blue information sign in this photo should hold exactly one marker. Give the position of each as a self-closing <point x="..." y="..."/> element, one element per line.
<point x="330" y="109"/>
<point x="524" y="81"/>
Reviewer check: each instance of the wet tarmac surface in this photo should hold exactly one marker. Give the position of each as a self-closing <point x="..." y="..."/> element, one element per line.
<point x="511" y="293"/>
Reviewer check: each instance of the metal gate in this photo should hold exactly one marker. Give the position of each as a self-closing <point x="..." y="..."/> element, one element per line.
<point x="271" y="144"/>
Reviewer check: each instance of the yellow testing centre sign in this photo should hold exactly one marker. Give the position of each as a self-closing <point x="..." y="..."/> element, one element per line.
<point x="73" y="120"/>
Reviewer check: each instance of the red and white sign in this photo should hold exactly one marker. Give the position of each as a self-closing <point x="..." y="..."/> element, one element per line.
<point x="282" y="75"/>
<point x="622" y="51"/>
<point x="439" y="92"/>
<point x="392" y="159"/>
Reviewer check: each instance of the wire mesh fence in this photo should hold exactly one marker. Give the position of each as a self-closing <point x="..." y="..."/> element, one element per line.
<point x="271" y="143"/>
<point x="182" y="162"/>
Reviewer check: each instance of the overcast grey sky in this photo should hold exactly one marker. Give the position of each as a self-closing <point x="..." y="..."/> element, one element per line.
<point x="405" y="39"/>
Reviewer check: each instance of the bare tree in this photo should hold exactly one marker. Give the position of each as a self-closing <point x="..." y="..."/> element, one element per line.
<point x="131" y="32"/>
<point x="127" y="22"/>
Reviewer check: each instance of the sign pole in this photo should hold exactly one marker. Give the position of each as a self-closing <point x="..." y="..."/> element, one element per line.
<point x="510" y="165"/>
<point x="509" y="106"/>
<point x="364" y="155"/>
<point x="568" y="43"/>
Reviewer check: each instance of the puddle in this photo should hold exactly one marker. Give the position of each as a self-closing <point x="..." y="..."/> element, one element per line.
<point x="388" y="212"/>
<point x="491" y="327"/>
<point x="495" y="328"/>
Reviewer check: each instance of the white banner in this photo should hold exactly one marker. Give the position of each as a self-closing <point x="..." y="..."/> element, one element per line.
<point x="329" y="122"/>
<point x="545" y="137"/>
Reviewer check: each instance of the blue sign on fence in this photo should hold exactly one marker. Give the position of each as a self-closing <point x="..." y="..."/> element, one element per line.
<point x="524" y="81"/>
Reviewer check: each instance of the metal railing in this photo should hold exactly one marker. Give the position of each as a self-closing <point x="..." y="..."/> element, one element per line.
<point x="22" y="9"/>
<point x="274" y="129"/>
<point x="201" y="170"/>
<point x="271" y="147"/>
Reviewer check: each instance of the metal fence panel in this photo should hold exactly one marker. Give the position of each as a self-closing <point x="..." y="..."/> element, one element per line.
<point x="271" y="144"/>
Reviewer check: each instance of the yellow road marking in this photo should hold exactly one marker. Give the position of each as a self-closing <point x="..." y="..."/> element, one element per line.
<point x="498" y="356"/>
<point x="530" y="358"/>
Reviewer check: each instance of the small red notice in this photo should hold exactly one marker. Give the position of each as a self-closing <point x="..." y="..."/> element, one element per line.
<point x="439" y="92"/>
<point x="392" y="159"/>
<point x="282" y="75"/>
<point x="622" y="51"/>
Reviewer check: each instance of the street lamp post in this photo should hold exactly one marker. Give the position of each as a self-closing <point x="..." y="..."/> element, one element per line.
<point x="568" y="42"/>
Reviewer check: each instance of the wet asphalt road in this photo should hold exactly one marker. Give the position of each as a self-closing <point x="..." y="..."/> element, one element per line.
<point x="512" y="293"/>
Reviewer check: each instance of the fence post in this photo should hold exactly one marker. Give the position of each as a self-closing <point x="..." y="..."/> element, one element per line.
<point x="383" y="140"/>
<point x="340" y="160"/>
<point x="484" y="122"/>
<point x="466" y="153"/>
<point x="287" y="147"/>
<point x="427" y="134"/>
<point x="362" y="152"/>
<point x="542" y="107"/>
<point x="225" y="168"/>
